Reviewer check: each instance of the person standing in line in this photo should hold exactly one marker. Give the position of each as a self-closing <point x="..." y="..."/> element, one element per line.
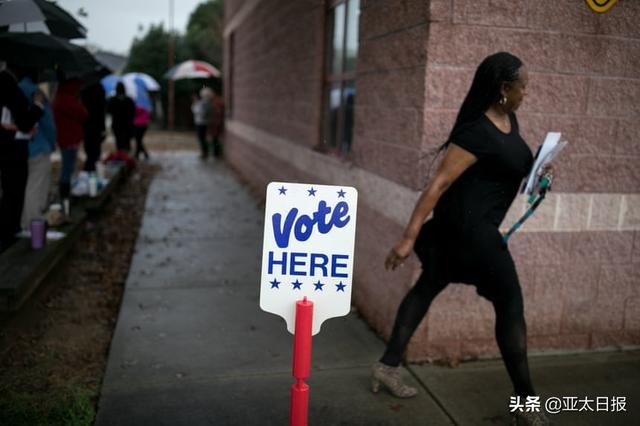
<point x="93" y="99"/>
<point x="16" y="115"/>
<point x="122" y="110"/>
<point x="140" y="126"/>
<point x="41" y="145"/>
<point x="217" y="123"/>
<point x="484" y="163"/>
<point x="201" y="109"/>
<point x="70" y="116"/>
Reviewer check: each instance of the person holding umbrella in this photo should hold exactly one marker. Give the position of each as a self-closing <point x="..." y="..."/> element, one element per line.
<point x="201" y="109"/>
<point x="16" y="116"/>
<point x="142" y="117"/>
<point x="70" y="116"/>
<point x="41" y="145"/>
<point x="122" y="110"/>
<point x="94" y="101"/>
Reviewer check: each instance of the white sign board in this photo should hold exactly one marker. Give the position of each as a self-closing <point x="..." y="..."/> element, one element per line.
<point x="309" y="237"/>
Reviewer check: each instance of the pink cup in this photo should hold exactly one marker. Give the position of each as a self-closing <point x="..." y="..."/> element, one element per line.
<point x="38" y="233"/>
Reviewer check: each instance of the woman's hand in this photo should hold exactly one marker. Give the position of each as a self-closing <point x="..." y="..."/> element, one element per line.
<point x="399" y="253"/>
<point x="454" y="163"/>
<point x="548" y="171"/>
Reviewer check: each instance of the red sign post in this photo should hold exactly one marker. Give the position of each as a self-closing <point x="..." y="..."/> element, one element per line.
<point x="307" y="254"/>
<point x="301" y="363"/>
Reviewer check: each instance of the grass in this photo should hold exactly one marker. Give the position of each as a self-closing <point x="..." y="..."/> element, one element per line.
<point x="68" y="406"/>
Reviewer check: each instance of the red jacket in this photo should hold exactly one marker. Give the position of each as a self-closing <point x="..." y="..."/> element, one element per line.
<point x="69" y="114"/>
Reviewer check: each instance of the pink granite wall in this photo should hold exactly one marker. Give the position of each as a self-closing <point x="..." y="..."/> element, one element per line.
<point x="579" y="261"/>
<point x="390" y="89"/>
<point x="388" y="121"/>
<point x="277" y="69"/>
<point x="581" y="288"/>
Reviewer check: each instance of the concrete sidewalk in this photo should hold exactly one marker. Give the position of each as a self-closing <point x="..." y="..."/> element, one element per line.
<point x="192" y="346"/>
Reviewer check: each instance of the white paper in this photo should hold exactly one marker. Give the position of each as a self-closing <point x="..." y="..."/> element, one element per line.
<point x="319" y="250"/>
<point x="550" y="148"/>
<point x="5" y="118"/>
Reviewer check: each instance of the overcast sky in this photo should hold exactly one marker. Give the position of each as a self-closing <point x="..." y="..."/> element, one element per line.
<point x="112" y="24"/>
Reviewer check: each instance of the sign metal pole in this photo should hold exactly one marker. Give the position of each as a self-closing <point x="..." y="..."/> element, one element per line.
<point x="301" y="363"/>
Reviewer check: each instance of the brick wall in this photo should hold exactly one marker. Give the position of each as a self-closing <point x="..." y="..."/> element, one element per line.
<point x="390" y="89"/>
<point x="277" y="69"/>
<point x="388" y="128"/>
<point x="581" y="288"/>
<point x="578" y="258"/>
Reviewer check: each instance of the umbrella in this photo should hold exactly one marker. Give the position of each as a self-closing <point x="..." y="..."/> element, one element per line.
<point x="38" y="50"/>
<point x="39" y="16"/>
<point x="192" y="69"/>
<point x="146" y="80"/>
<point x="12" y="12"/>
<point x="134" y="88"/>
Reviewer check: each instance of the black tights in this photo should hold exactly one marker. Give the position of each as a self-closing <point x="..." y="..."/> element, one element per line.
<point x="511" y="330"/>
<point x="138" y="132"/>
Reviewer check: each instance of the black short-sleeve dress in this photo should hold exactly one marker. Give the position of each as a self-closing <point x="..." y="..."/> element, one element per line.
<point x="461" y="243"/>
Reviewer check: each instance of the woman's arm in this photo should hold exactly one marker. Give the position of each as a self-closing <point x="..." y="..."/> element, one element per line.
<point x="454" y="163"/>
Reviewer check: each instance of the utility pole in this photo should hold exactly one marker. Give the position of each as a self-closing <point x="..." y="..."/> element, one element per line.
<point x="171" y="60"/>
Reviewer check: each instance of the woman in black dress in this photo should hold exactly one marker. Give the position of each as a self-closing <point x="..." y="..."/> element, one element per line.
<point x="482" y="169"/>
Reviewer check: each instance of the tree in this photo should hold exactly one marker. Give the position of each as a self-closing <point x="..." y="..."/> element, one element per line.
<point x="204" y="37"/>
<point x="203" y="40"/>
<point x="149" y="54"/>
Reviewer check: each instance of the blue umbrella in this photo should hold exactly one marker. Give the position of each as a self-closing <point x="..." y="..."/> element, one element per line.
<point x="135" y="88"/>
<point x="109" y="84"/>
<point x="142" y="99"/>
<point x="149" y="82"/>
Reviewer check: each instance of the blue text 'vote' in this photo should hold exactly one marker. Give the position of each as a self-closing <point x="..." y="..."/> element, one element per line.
<point x="303" y="225"/>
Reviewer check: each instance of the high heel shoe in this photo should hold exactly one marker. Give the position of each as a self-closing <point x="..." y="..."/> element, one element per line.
<point x="390" y="378"/>
<point x="532" y="418"/>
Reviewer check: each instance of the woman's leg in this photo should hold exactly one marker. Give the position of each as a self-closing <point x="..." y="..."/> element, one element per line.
<point x="511" y="328"/>
<point x="137" y="135"/>
<point x="143" y="149"/>
<point x="411" y="311"/>
<point x="202" y="139"/>
<point x="139" y="132"/>
<point x="92" y="150"/>
<point x="119" y="136"/>
<point x="68" y="167"/>
<point x="37" y="192"/>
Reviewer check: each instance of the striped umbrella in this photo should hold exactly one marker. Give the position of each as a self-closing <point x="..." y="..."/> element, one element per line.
<point x="146" y="80"/>
<point x="192" y="69"/>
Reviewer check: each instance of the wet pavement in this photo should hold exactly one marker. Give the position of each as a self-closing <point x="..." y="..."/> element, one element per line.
<point x="192" y="346"/>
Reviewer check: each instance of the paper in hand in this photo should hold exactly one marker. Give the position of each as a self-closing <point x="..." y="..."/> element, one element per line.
<point x="547" y="152"/>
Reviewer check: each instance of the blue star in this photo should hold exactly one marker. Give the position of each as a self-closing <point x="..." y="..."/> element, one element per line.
<point x="275" y="283"/>
<point x="312" y="192"/>
<point x="296" y="284"/>
<point x="283" y="190"/>
<point x="341" y="287"/>
<point x="341" y="194"/>
<point x="318" y="286"/>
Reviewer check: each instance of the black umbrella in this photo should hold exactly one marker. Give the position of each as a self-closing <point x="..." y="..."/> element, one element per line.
<point x="39" y="15"/>
<point x="42" y="51"/>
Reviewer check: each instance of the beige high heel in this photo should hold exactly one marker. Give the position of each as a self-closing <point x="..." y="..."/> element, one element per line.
<point x="390" y="378"/>
<point x="532" y="418"/>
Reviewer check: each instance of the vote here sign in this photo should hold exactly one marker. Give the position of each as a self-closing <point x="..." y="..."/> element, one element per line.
<point x="309" y="237"/>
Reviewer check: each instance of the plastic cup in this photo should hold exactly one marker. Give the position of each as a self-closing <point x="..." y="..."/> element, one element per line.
<point x="38" y="233"/>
